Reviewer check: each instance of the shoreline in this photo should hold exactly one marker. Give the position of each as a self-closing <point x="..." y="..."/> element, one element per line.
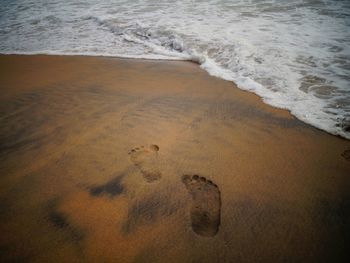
<point x="98" y="157"/>
<point x="181" y="60"/>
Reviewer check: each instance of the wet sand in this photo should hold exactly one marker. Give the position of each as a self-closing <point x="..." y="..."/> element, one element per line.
<point x="117" y="160"/>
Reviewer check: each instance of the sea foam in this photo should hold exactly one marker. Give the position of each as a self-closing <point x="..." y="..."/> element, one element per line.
<point x="293" y="54"/>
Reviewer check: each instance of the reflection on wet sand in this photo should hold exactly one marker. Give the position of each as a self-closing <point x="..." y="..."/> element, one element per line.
<point x="111" y="160"/>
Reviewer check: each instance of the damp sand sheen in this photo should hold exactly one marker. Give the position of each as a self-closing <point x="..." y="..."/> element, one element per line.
<point x="117" y="160"/>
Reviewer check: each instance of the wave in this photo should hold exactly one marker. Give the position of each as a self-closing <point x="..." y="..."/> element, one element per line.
<point x="304" y="71"/>
<point x="166" y="44"/>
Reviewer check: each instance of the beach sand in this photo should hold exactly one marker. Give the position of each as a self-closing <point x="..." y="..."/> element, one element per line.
<point x="121" y="160"/>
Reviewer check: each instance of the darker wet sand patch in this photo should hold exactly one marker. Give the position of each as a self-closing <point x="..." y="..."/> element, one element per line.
<point x="61" y="222"/>
<point x="146" y="159"/>
<point x="58" y="219"/>
<point x="112" y="188"/>
<point x="206" y="205"/>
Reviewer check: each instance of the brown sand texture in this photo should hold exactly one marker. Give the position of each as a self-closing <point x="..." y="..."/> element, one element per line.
<point x="117" y="160"/>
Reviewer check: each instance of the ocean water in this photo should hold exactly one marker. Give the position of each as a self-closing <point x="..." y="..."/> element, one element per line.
<point x="295" y="54"/>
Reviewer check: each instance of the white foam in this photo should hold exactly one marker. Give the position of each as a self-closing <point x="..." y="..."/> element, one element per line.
<point x="294" y="54"/>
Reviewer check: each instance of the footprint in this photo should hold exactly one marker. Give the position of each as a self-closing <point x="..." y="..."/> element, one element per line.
<point x="346" y="155"/>
<point x="206" y="205"/>
<point x="146" y="159"/>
